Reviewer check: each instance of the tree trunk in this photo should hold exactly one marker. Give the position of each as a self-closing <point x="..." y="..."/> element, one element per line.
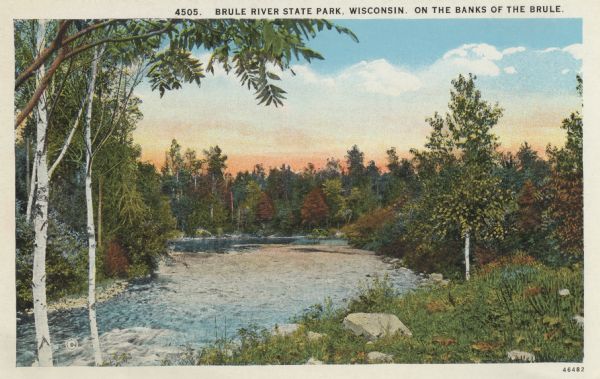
<point x="32" y="186"/>
<point x="100" y="211"/>
<point x="40" y="225"/>
<point x="467" y="268"/>
<point x="231" y="204"/>
<point x="27" y="166"/>
<point x="90" y="217"/>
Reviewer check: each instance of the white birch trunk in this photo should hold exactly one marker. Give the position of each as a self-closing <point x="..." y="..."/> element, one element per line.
<point x="90" y="217"/>
<point x="32" y="187"/>
<point x="40" y="225"/>
<point x="467" y="265"/>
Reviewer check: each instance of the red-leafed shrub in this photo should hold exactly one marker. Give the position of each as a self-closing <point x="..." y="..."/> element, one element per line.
<point x="115" y="260"/>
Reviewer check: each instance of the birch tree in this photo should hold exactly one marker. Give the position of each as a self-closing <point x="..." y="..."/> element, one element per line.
<point x="248" y="48"/>
<point x="40" y="221"/>
<point x="90" y="215"/>
<point x="462" y="190"/>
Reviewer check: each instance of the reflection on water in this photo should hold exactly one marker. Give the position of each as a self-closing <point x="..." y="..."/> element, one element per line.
<point x="204" y="296"/>
<point x="224" y="245"/>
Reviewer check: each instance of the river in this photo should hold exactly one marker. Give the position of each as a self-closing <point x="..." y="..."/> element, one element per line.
<point x="209" y="290"/>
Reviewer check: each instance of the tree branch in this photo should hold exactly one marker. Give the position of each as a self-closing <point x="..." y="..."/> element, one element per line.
<point x="44" y="54"/>
<point x="40" y="89"/>
<point x="83" y="48"/>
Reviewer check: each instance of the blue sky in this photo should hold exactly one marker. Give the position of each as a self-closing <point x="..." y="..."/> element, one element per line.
<point x="417" y="43"/>
<point x="377" y="93"/>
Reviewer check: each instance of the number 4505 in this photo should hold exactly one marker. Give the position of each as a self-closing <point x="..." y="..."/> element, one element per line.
<point x="187" y="12"/>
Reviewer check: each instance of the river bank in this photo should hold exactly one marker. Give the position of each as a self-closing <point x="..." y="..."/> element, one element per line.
<point x="104" y="291"/>
<point x="510" y="312"/>
<point x="195" y="299"/>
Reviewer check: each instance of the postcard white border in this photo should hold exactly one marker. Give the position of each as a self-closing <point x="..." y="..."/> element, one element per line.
<point x="589" y="11"/>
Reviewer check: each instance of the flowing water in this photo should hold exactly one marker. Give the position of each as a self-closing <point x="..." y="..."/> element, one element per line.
<point x="209" y="290"/>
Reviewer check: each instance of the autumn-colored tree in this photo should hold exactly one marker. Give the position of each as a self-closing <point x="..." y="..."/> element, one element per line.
<point x="567" y="210"/>
<point x="566" y="184"/>
<point x="530" y="210"/>
<point x="314" y="209"/>
<point x="265" y="209"/>
<point x="115" y="260"/>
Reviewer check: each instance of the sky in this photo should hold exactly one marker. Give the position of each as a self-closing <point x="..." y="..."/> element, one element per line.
<point x="377" y="93"/>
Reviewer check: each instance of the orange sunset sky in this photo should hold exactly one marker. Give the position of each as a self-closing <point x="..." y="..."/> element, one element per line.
<point x="377" y="93"/>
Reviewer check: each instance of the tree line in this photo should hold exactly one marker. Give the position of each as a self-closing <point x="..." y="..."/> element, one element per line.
<point x="208" y="200"/>
<point x="467" y="195"/>
<point x="459" y="193"/>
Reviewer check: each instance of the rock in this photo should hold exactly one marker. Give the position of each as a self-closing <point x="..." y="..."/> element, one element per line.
<point x="395" y="260"/>
<point x="523" y="356"/>
<point x="435" y="277"/>
<point x="444" y="283"/>
<point x="313" y="336"/>
<point x="284" y="329"/>
<point x="375" y="325"/>
<point x="369" y="343"/>
<point x="564" y="292"/>
<point x="579" y="320"/>
<point x="313" y="361"/>
<point x="137" y="343"/>
<point x="378" y="357"/>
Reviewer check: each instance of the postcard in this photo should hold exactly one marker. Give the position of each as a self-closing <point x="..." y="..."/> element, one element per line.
<point x="292" y="189"/>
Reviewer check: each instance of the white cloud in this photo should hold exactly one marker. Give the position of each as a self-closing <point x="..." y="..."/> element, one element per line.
<point x="483" y="67"/>
<point x="576" y="50"/>
<point x="381" y="77"/>
<point x="565" y="71"/>
<point x="478" y="59"/>
<point x="513" y="50"/>
<point x="510" y="70"/>
<point x="377" y="76"/>
<point x="474" y="50"/>
<point x="550" y="49"/>
<point x="309" y="76"/>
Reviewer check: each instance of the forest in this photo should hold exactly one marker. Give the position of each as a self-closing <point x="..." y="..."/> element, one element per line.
<point x="459" y="186"/>
<point x="88" y="208"/>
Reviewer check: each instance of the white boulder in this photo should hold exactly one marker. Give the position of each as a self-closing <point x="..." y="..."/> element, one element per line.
<point x="375" y="325"/>
<point x="523" y="356"/>
<point x="378" y="357"/>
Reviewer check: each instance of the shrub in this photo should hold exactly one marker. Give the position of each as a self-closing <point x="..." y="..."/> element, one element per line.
<point x="115" y="261"/>
<point x="365" y="230"/>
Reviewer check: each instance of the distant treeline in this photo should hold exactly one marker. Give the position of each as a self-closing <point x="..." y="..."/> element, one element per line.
<point x="459" y="192"/>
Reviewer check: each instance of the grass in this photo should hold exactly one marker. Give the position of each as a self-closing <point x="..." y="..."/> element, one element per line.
<point x="509" y="305"/>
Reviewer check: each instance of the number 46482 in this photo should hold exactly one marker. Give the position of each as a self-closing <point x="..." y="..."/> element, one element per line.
<point x="573" y="369"/>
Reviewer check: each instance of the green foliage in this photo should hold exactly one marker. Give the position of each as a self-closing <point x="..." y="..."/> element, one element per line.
<point x="169" y="67"/>
<point x="66" y="261"/>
